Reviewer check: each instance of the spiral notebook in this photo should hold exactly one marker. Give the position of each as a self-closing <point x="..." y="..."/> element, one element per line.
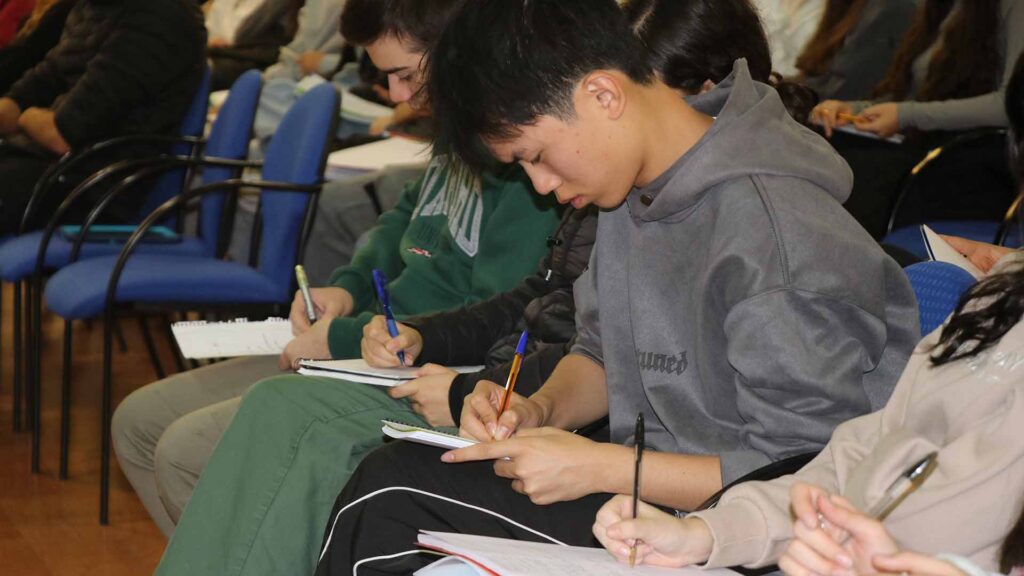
<point x="423" y="435"/>
<point x="357" y="370"/>
<point x="237" y="337"/>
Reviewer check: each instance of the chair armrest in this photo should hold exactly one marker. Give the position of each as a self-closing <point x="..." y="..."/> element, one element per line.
<point x="146" y="172"/>
<point x="72" y="159"/>
<point x="1012" y="213"/>
<point x="953" y="145"/>
<point x="172" y="203"/>
<point x="767" y="472"/>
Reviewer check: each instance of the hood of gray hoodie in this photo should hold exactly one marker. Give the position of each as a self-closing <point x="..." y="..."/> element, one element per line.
<point x="751" y="134"/>
<point x="735" y="302"/>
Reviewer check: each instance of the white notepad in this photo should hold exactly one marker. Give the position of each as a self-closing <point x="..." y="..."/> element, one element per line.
<point x="485" y="556"/>
<point x="357" y="370"/>
<point x="420" y="435"/>
<point x="940" y="251"/>
<point x="393" y="151"/>
<point x="238" y="337"/>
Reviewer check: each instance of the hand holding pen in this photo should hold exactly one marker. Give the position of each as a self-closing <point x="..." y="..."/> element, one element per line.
<point x="832" y="536"/>
<point x="494" y="412"/>
<point x="380" y="282"/>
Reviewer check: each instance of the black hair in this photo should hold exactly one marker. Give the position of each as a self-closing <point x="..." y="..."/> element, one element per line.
<point x="502" y="64"/>
<point x="1011" y="554"/>
<point x="419" y="22"/>
<point x="993" y="306"/>
<point x="690" y="41"/>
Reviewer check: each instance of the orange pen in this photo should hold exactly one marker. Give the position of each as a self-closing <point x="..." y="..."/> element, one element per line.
<point x="513" y="373"/>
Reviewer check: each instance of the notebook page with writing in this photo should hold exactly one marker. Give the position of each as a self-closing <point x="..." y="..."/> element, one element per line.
<point x="517" y="558"/>
<point x="235" y="338"/>
<point x="940" y="251"/>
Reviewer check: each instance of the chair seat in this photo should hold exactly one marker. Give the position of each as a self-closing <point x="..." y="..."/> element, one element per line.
<point x="78" y="291"/>
<point x="18" y="255"/>
<point x="938" y="287"/>
<point x="909" y="237"/>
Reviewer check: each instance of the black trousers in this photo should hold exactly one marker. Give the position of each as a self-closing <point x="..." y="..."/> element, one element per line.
<point x="21" y="168"/>
<point x="19" y="171"/>
<point x="403" y="488"/>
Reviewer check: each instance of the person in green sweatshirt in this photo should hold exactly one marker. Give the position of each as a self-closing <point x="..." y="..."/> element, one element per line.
<point x="454" y="238"/>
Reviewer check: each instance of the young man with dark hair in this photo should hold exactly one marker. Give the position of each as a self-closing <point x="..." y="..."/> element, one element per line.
<point x="455" y="238"/>
<point x="730" y="298"/>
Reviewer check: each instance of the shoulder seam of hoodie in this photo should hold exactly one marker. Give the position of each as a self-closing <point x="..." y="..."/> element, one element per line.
<point x="783" y="256"/>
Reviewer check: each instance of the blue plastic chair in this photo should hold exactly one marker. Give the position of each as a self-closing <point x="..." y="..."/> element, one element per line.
<point x="37" y="253"/>
<point x="292" y="176"/>
<point x="938" y="287"/>
<point x="16" y="257"/>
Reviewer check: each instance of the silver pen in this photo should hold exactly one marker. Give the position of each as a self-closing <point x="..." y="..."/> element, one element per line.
<point x="903" y="486"/>
<point x="300" y="277"/>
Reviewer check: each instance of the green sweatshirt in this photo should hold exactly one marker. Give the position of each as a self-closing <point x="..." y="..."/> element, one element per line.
<point x="452" y="240"/>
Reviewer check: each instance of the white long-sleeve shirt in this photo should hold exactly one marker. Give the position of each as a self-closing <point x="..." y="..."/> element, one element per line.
<point x="224" y="16"/>
<point x="789" y="25"/>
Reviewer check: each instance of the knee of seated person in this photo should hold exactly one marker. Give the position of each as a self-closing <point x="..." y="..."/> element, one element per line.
<point x="178" y="461"/>
<point x="132" y="425"/>
<point x="269" y="391"/>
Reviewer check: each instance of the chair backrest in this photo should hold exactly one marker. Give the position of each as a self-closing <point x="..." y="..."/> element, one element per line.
<point x="229" y="138"/>
<point x="968" y="178"/>
<point x="296" y="154"/>
<point x="192" y="124"/>
<point x="938" y="287"/>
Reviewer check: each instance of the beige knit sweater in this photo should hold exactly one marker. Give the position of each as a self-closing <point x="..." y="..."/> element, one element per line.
<point x="971" y="412"/>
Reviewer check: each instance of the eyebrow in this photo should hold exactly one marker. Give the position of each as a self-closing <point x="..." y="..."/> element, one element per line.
<point x="394" y="70"/>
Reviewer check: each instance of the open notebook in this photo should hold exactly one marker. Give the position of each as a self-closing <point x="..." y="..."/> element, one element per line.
<point x="359" y="371"/>
<point x="484" y="556"/>
<point x="234" y="338"/>
<point x="940" y="251"/>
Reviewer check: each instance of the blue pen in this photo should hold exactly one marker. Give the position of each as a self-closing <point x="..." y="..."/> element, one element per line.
<point x="380" y="282"/>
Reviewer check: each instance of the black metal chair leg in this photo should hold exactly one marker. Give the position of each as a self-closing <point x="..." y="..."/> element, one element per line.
<point x="154" y="357"/>
<point x="108" y="345"/>
<point x="65" y="402"/>
<point x="1" y="338"/>
<point x="18" y="383"/>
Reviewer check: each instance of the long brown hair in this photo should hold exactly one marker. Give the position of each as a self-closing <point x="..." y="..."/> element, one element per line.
<point x="838" y="20"/>
<point x="966" y="62"/>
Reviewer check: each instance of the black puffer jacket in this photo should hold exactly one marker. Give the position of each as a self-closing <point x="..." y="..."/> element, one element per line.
<point x="487" y="332"/>
<point x="120" y="67"/>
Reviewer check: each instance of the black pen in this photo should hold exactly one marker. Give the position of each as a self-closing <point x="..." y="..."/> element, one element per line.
<point x="638" y="456"/>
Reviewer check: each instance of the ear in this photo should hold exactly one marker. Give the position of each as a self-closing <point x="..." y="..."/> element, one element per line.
<point x="605" y="91"/>
<point x="707" y="86"/>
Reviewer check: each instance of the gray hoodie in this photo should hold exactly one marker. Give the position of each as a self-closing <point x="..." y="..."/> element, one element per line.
<point x="735" y="302"/>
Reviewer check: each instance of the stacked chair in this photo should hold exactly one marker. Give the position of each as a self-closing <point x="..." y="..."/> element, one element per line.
<point x="142" y="281"/>
<point x="18" y="255"/>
